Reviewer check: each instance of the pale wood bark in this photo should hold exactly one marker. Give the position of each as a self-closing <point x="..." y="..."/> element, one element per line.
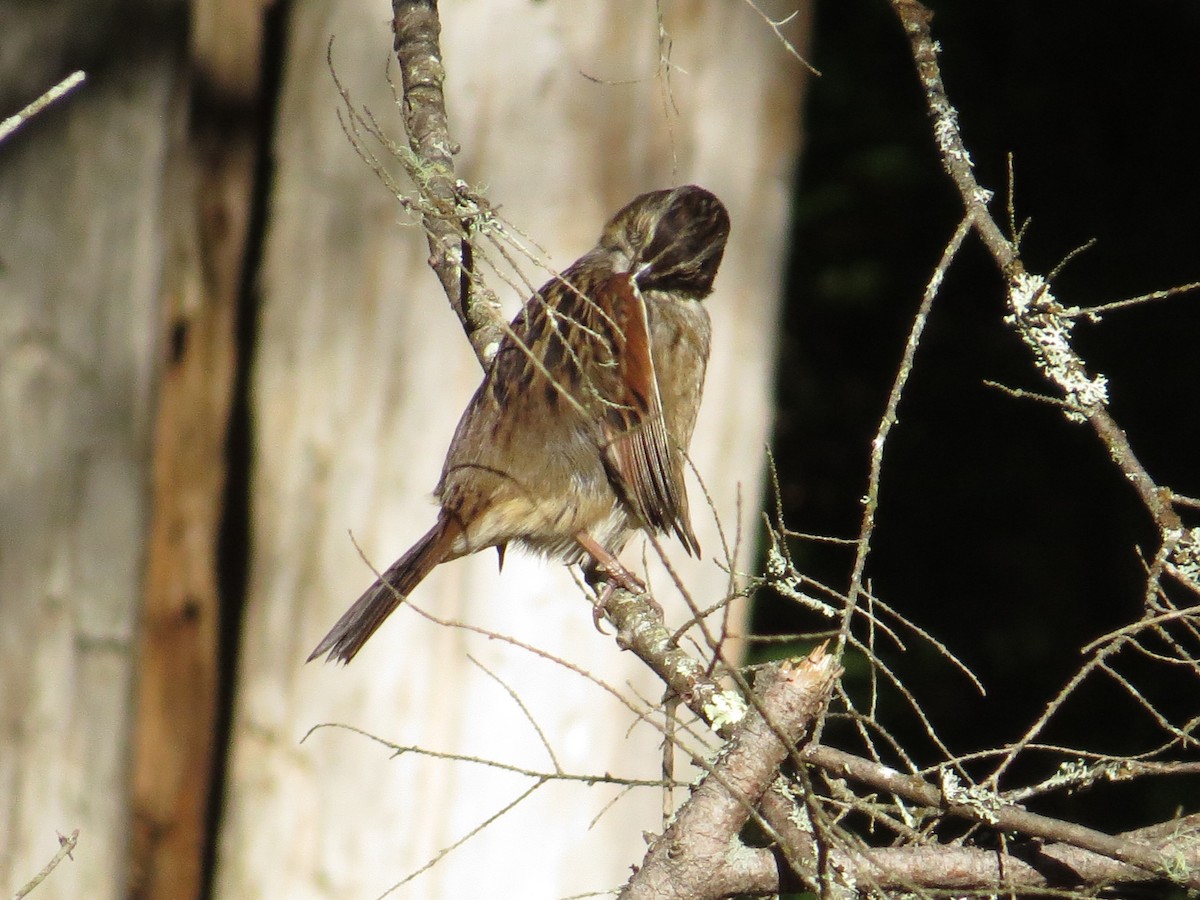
<point x="176" y="708"/>
<point x="212" y="175"/>
<point x="359" y="378"/>
<point x="81" y="218"/>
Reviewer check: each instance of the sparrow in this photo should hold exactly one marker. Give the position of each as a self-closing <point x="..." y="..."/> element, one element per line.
<point x="577" y="436"/>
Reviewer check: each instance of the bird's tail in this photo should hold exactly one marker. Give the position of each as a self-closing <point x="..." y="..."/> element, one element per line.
<point x="362" y="619"/>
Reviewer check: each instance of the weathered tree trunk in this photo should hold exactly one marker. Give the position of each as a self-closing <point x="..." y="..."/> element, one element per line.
<point x="81" y="255"/>
<point x="359" y="377"/>
<point x="212" y="186"/>
<point x="125" y="215"/>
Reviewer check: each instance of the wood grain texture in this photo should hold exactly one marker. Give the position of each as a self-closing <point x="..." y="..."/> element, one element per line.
<point x="81" y="258"/>
<point x="211" y="176"/>
<point x="177" y="677"/>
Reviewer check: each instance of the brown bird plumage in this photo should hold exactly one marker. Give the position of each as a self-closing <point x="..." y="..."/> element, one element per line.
<point x="577" y="435"/>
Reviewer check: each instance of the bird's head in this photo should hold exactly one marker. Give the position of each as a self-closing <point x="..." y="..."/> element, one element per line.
<point x="672" y="239"/>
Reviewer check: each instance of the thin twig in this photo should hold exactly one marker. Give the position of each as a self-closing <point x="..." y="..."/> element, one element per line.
<point x="1093" y="313"/>
<point x="1069" y="258"/>
<point x="450" y="848"/>
<point x="1141" y="625"/>
<point x="516" y="698"/>
<point x="1022" y="394"/>
<point x="536" y="774"/>
<point x="56" y="93"/>
<point x="888" y="420"/>
<point x="66" y="845"/>
<point x="776" y="25"/>
<point x="1098" y="660"/>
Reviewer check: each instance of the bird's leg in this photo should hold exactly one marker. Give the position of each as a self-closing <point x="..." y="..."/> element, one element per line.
<point x="607" y="567"/>
<point x="612" y="568"/>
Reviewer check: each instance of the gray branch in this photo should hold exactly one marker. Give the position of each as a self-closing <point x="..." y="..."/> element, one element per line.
<point x="448" y="208"/>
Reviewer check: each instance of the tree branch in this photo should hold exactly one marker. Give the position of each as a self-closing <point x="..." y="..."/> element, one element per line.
<point x="66" y="845"/>
<point x="1022" y="864"/>
<point x="1043" y="324"/>
<point x="890" y="418"/>
<point x="448" y="211"/>
<point x="56" y="93"/>
<point x="700" y="855"/>
<point x="640" y="630"/>
<point x="1003" y="817"/>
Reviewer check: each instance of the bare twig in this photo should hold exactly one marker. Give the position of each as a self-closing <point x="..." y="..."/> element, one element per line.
<point x="961" y="868"/>
<point x="1096" y="661"/>
<point x="888" y="420"/>
<point x="1141" y="625"/>
<point x="516" y="698"/>
<point x="450" y="848"/>
<point x="56" y="93"/>
<point x="776" y="25"/>
<point x="1022" y="394"/>
<point x="978" y="807"/>
<point x="1069" y="258"/>
<point x="1093" y="313"/>
<point x="66" y="845"/>
<point x="538" y="775"/>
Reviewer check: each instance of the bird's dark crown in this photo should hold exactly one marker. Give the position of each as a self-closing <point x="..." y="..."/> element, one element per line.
<point x="674" y="239"/>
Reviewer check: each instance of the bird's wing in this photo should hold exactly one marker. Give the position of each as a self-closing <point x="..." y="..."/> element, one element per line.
<point x="634" y="432"/>
<point x="582" y="348"/>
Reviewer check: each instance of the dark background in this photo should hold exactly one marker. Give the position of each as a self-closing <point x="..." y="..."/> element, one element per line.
<point x="1003" y="529"/>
